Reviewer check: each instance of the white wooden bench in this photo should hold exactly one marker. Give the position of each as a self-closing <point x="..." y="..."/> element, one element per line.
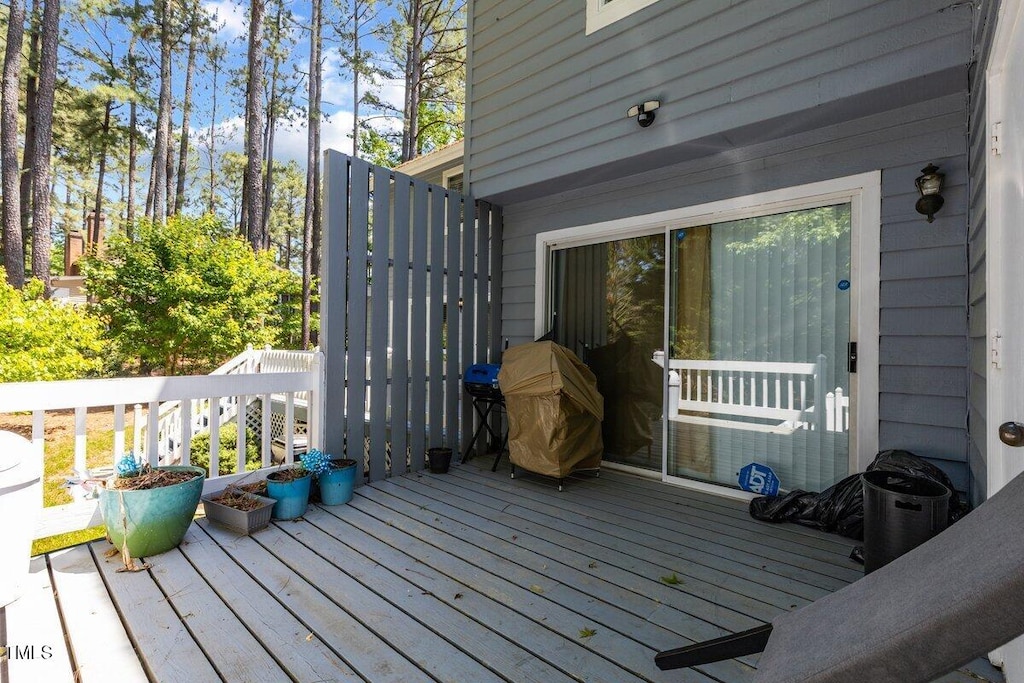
<point x="782" y="397"/>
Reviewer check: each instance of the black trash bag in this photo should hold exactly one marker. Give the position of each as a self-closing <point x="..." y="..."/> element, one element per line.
<point x="840" y="508"/>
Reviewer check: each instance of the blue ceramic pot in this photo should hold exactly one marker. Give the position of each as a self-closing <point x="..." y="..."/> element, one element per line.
<point x="152" y="520"/>
<point x="337" y="485"/>
<point x="292" y="497"/>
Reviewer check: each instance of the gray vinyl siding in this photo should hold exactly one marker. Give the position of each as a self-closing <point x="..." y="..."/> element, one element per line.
<point x="923" y="316"/>
<point x="984" y="28"/>
<point x="548" y="102"/>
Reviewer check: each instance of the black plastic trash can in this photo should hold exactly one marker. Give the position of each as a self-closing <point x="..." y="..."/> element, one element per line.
<point x="901" y="512"/>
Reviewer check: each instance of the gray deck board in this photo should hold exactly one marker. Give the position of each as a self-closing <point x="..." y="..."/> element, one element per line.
<point x="518" y="497"/>
<point x="468" y="576"/>
<point x="103" y="644"/>
<point x="285" y="637"/>
<point x="32" y="623"/>
<point x="779" y="555"/>
<point x="170" y="652"/>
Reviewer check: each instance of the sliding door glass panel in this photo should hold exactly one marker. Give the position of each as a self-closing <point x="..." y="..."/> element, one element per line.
<point x="759" y="321"/>
<point x="608" y="306"/>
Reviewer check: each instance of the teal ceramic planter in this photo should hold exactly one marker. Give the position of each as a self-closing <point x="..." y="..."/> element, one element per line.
<point x="153" y="520"/>
<point x="337" y="485"/>
<point x="292" y="497"/>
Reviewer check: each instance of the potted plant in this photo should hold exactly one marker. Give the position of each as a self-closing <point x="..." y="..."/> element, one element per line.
<point x="238" y="509"/>
<point x="147" y="510"/>
<point x="289" y="487"/>
<point x="336" y="477"/>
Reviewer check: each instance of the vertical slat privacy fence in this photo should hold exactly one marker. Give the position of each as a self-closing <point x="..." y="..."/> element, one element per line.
<point x="408" y="302"/>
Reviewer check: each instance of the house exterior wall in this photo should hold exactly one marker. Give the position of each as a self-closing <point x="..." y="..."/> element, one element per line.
<point x="548" y="102"/>
<point x="923" y="321"/>
<point x="755" y="95"/>
<point x="984" y="30"/>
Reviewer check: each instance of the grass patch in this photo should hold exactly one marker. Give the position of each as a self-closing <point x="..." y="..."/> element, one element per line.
<point x="61" y="541"/>
<point x="58" y="467"/>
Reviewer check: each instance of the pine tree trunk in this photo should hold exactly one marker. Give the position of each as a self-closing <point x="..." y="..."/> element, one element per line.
<point x="272" y="107"/>
<point x="310" y="213"/>
<point x="156" y="203"/>
<point x="133" y="132"/>
<point x="413" y="76"/>
<point x="186" y="112"/>
<point x="94" y="237"/>
<point x="41" y="218"/>
<point x="356" y="66"/>
<point x="252" y="183"/>
<point x="28" y="154"/>
<point x="14" y="247"/>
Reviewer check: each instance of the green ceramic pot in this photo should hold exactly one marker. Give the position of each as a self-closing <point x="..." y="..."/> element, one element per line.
<point x="154" y="520"/>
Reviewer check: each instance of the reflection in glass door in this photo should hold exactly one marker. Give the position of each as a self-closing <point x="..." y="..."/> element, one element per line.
<point x="608" y="306"/>
<point x="759" y="321"/>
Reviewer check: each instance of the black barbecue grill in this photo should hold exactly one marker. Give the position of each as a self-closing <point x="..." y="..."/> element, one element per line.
<point x="481" y="382"/>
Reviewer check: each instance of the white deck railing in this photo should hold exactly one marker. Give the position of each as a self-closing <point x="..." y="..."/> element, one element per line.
<point x="169" y="423"/>
<point x="784" y="396"/>
<point x="194" y="394"/>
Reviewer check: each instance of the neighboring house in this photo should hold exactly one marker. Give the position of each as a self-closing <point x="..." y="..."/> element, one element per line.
<point x="774" y="193"/>
<point x="441" y="167"/>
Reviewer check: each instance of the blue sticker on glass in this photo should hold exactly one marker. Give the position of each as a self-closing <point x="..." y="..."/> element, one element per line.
<point x="681" y="235"/>
<point x="843" y="285"/>
<point x="759" y="479"/>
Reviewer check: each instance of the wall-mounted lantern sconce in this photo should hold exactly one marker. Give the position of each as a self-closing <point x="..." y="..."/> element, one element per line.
<point x="643" y="113"/>
<point x="929" y="184"/>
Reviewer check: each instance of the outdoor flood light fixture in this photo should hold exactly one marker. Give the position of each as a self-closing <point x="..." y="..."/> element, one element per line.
<point x="929" y="184"/>
<point x="643" y="113"/>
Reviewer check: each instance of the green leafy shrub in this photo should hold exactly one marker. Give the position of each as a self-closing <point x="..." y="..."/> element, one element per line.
<point x="228" y="454"/>
<point x="42" y="340"/>
<point x="188" y="294"/>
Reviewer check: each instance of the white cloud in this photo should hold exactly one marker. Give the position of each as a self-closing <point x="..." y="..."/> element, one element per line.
<point x="229" y="16"/>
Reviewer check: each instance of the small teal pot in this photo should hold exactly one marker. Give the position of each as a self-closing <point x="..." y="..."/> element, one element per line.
<point x="152" y="521"/>
<point x="337" y="485"/>
<point x="292" y="497"/>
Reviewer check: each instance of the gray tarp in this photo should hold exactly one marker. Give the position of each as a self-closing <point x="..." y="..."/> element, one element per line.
<point x="554" y="409"/>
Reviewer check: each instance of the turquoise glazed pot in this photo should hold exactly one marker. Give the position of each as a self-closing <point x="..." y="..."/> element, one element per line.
<point x="153" y="520"/>
<point x="292" y="497"/>
<point x="337" y="485"/>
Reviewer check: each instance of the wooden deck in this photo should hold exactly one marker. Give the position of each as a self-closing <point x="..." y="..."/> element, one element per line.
<point x="465" y="577"/>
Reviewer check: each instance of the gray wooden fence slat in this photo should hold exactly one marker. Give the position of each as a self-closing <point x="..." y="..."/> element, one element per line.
<point x="301" y="593"/>
<point x="334" y="296"/>
<point x="497" y="345"/>
<point x="483" y="281"/>
<point x="418" y="321"/>
<point x="454" y="298"/>
<point x="470" y="272"/>
<point x="358" y="242"/>
<point x="436" y="396"/>
<point x="400" y="339"/>
<point x="166" y="647"/>
<point x="379" y="304"/>
<point x="279" y="630"/>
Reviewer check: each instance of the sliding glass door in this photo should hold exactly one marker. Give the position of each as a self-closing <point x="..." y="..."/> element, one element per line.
<point x="719" y="344"/>
<point x="608" y="305"/>
<point x="758" y="329"/>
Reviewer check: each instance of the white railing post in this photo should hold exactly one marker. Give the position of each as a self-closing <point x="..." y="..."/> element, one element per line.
<point x="81" y="470"/>
<point x="137" y="437"/>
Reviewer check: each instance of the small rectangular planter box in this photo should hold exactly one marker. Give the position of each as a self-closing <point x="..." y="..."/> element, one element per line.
<point x="240" y="521"/>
